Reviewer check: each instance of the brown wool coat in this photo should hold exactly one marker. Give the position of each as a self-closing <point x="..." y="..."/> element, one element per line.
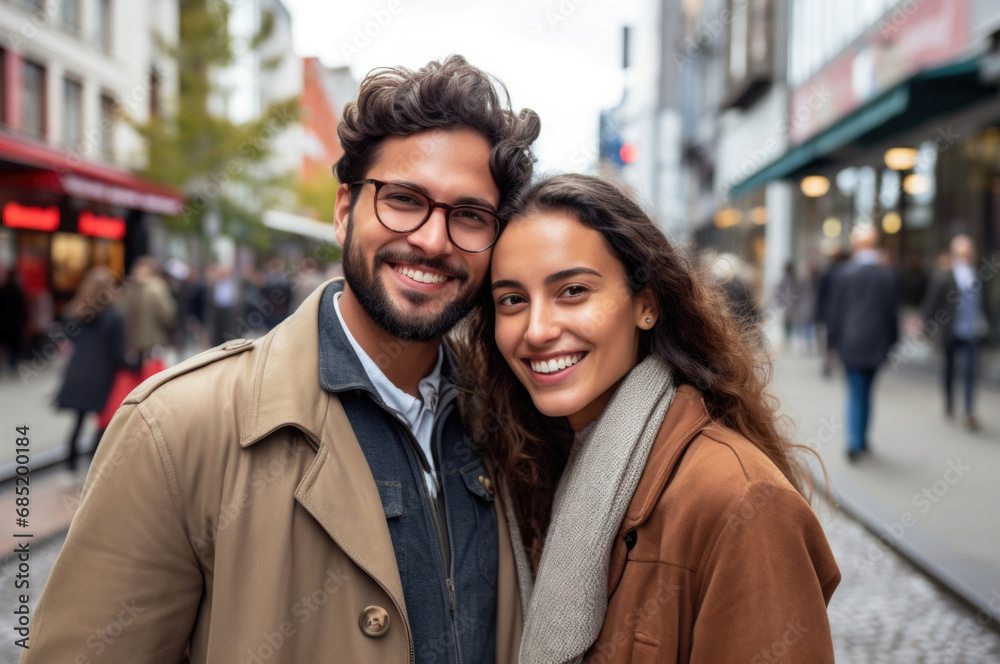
<point x="729" y="563"/>
<point x="230" y="516"/>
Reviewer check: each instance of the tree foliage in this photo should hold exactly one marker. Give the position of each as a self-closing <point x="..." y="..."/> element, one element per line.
<point x="220" y="165"/>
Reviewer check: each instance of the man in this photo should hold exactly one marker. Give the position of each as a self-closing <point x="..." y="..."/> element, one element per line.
<point x="955" y="308"/>
<point x="863" y="326"/>
<point x="312" y="496"/>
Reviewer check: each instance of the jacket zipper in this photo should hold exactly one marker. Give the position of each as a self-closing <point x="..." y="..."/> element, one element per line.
<point x="439" y="515"/>
<point x="440" y="418"/>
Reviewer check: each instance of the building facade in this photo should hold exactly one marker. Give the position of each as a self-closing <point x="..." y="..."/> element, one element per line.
<point x="72" y="73"/>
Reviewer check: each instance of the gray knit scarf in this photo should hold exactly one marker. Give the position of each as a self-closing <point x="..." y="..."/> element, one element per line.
<point x="564" y="607"/>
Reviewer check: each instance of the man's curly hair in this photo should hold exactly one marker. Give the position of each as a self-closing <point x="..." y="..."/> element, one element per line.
<point x="442" y="95"/>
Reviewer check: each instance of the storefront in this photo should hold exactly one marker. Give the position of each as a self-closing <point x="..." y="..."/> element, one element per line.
<point x="61" y="216"/>
<point x="900" y="130"/>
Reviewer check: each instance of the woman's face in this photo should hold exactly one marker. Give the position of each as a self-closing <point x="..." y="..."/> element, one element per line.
<point x="566" y="321"/>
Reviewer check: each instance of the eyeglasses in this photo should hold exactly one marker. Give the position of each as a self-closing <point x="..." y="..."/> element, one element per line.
<point x="402" y="209"/>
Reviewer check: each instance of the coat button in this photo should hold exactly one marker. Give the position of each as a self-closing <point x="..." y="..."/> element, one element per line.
<point x="486" y="483"/>
<point x="236" y="343"/>
<point x="374" y="621"/>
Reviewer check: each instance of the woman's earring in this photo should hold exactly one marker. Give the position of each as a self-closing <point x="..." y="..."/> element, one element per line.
<point x="648" y="320"/>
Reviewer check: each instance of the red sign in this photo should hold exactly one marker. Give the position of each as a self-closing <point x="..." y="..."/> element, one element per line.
<point x="914" y="35"/>
<point x="96" y="225"/>
<point x="16" y="215"/>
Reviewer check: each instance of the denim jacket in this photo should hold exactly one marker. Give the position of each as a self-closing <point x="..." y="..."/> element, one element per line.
<point x="446" y="547"/>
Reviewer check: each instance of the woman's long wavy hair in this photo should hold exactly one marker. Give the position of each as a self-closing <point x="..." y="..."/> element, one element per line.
<point x="704" y="343"/>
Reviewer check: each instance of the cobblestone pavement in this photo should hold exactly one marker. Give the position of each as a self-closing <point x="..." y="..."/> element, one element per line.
<point x="887" y="612"/>
<point x="41" y="561"/>
<point x="884" y="612"/>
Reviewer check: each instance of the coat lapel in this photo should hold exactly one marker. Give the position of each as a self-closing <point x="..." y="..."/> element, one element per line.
<point x="685" y="418"/>
<point x="339" y="492"/>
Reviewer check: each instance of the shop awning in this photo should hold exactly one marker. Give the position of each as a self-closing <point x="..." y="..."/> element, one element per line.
<point x="915" y="101"/>
<point x="299" y="225"/>
<point x="28" y="164"/>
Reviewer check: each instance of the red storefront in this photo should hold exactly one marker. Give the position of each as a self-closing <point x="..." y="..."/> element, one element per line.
<point x="61" y="215"/>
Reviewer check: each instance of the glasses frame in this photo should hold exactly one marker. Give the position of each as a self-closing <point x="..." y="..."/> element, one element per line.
<point x="430" y="210"/>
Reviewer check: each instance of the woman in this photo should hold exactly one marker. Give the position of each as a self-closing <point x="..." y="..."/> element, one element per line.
<point x="659" y="507"/>
<point x="98" y="334"/>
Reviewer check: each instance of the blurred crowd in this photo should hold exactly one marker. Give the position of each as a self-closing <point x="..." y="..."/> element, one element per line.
<point x="116" y="331"/>
<point x="864" y="311"/>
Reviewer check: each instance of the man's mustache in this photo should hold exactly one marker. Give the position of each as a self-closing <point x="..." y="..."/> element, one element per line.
<point x="436" y="264"/>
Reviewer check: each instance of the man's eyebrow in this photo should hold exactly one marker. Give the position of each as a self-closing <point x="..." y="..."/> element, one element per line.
<point x="552" y="278"/>
<point x="465" y="200"/>
<point x="572" y="272"/>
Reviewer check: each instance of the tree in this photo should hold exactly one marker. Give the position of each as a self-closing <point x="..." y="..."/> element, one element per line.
<point x="220" y="165"/>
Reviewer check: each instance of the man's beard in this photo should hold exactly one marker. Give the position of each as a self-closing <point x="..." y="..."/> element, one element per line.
<point x="373" y="298"/>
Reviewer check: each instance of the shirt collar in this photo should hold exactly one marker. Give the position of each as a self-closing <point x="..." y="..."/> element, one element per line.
<point x="342" y="362"/>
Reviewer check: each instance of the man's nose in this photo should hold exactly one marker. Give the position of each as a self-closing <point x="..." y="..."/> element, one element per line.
<point x="432" y="237"/>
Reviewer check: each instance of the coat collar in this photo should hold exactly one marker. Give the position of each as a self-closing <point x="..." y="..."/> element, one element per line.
<point x="685" y="418"/>
<point x="285" y="391"/>
<point x="284" y="386"/>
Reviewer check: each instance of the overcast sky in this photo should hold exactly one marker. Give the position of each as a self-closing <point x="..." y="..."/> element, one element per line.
<point x="565" y="64"/>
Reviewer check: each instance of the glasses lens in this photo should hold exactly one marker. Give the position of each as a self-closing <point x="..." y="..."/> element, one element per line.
<point x="400" y="208"/>
<point x="472" y="229"/>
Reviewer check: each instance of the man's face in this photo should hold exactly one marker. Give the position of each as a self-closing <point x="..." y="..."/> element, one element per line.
<point x="450" y="166"/>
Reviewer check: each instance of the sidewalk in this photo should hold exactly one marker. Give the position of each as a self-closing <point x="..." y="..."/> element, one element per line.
<point x="29" y="400"/>
<point x="929" y="487"/>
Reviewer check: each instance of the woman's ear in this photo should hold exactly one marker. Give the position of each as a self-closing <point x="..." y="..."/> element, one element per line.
<point x="646" y="310"/>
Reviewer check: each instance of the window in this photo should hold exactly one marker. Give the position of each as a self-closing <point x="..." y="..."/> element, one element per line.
<point x="104" y="25"/>
<point x="33" y="99"/>
<point x="71" y="15"/>
<point x="107" y="127"/>
<point x="72" y="113"/>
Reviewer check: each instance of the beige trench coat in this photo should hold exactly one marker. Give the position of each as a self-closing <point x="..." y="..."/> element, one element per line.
<point x="230" y="516"/>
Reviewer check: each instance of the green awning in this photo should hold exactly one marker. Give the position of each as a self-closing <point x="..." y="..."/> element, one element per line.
<point x="920" y="98"/>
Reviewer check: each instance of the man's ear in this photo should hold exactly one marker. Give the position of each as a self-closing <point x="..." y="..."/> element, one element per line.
<point x="341" y="211"/>
<point x="646" y="309"/>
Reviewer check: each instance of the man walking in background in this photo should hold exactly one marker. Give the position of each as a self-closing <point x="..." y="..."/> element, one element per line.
<point x="956" y="308"/>
<point x="863" y="326"/>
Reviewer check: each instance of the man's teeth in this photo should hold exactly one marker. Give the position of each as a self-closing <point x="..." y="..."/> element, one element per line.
<point x="555" y="364"/>
<point x="422" y="277"/>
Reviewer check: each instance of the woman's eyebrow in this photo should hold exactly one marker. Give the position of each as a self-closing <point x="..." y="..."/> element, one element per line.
<point x="572" y="272"/>
<point x="556" y="276"/>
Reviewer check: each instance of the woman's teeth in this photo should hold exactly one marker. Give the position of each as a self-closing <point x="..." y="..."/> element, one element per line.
<point x="422" y="277"/>
<point x="555" y="364"/>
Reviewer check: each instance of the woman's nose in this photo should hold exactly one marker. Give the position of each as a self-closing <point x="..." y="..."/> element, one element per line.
<point x="542" y="326"/>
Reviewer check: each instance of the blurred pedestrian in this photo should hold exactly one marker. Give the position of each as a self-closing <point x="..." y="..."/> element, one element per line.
<point x="729" y="272"/>
<point x="223" y="302"/>
<point x="14" y="306"/>
<point x="276" y="292"/>
<point x="863" y="326"/>
<point x="98" y="351"/>
<point x="802" y="311"/>
<point x="824" y="300"/>
<point x="956" y="309"/>
<point x="150" y="309"/>
<point x="786" y="294"/>
<point x="307" y="280"/>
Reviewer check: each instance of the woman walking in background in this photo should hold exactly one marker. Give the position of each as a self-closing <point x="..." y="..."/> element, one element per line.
<point x="657" y="511"/>
<point x="98" y="351"/>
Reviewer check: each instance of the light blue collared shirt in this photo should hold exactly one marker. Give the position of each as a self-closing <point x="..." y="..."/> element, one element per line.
<point x="417" y="414"/>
